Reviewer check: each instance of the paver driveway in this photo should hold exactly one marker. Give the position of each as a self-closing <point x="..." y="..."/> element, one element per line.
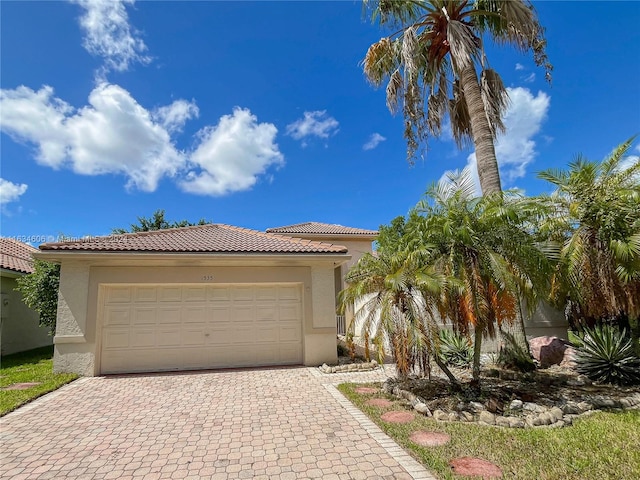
<point x="266" y="423"/>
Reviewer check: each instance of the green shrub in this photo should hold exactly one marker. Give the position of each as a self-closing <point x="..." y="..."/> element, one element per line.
<point x="456" y="350"/>
<point x="607" y="356"/>
<point x="513" y="355"/>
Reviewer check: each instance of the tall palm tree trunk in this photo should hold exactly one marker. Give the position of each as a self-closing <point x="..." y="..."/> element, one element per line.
<point x="486" y="160"/>
<point x="481" y="132"/>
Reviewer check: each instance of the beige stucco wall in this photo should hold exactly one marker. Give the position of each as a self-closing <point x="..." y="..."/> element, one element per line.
<point x="20" y="329"/>
<point x="78" y="334"/>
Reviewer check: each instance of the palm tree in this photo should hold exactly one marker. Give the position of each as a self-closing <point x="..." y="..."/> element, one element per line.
<point x="485" y="243"/>
<point x="432" y="61"/>
<point x="597" y="218"/>
<point x="394" y="297"/>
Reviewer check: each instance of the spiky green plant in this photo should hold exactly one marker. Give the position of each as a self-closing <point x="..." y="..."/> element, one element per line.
<point x="455" y="349"/>
<point x="607" y="356"/>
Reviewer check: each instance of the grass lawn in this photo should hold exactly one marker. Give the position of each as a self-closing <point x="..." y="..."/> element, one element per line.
<point x="26" y="367"/>
<point x="602" y="446"/>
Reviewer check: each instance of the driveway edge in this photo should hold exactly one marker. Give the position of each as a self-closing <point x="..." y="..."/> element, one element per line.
<point x="413" y="468"/>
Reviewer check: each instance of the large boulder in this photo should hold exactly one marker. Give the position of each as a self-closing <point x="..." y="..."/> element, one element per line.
<point x="551" y="351"/>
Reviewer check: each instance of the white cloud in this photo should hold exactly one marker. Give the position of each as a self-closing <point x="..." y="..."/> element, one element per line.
<point x="374" y="140"/>
<point x="173" y="117"/>
<point x="638" y="147"/>
<point x="232" y="155"/>
<point x="109" y="35"/>
<point x="316" y="123"/>
<point x="516" y="149"/>
<point x="10" y="192"/>
<point x="113" y="134"/>
<point x="519" y="66"/>
<point x="530" y="78"/>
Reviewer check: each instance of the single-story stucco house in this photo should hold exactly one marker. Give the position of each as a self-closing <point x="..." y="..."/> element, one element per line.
<point x="20" y="328"/>
<point x="208" y="296"/>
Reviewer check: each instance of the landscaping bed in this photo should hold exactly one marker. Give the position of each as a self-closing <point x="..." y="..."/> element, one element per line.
<point x="603" y="445"/>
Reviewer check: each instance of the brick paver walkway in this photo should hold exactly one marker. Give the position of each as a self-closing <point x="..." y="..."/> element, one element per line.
<point x="288" y="423"/>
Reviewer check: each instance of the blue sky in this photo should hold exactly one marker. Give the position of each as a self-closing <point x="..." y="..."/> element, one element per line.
<point x="259" y="115"/>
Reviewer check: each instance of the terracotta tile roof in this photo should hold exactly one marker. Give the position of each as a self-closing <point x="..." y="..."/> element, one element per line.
<point x="214" y="238"/>
<point x="16" y="255"/>
<point x="317" y="228"/>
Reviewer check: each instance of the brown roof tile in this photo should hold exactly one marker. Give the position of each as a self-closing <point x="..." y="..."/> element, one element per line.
<point x="213" y="238"/>
<point x="16" y="255"/>
<point x="317" y="228"/>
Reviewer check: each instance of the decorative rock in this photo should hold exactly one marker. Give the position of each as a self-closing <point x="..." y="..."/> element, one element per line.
<point x="440" y="415"/>
<point x="476" y="406"/>
<point x="625" y="402"/>
<point x="429" y="439"/>
<point x="579" y="381"/>
<point x="515" y="405"/>
<point x="487" y="417"/>
<point x="533" y="407"/>
<point x="475" y="467"/>
<point x="493" y="405"/>
<point x="466" y="417"/>
<point x="584" y="406"/>
<point x="515" y="422"/>
<point x="453" y="417"/>
<point x="569" y="360"/>
<point x="601" y="402"/>
<point x="570" y="408"/>
<point x="556" y="413"/>
<point x="502" y="421"/>
<point x="548" y="350"/>
<point x="398" y="417"/>
<point x="422" y="408"/>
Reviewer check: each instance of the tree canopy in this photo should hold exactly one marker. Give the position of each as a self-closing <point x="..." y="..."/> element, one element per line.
<point x="157" y="222"/>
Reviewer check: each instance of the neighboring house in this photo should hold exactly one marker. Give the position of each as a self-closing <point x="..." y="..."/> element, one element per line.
<point x="210" y="296"/>
<point x="357" y="240"/>
<point x="19" y="327"/>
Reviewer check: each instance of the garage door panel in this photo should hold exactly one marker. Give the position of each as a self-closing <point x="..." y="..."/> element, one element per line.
<point x="221" y="336"/>
<point x="119" y="295"/>
<point x="265" y="334"/>
<point x="289" y="313"/>
<point x="266" y="293"/>
<point x="243" y="312"/>
<point x="117" y="316"/>
<point x="168" y="337"/>
<point x="168" y="315"/>
<point x="266" y="313"/>
<point x="116" y="338"/>
<point x="290" y="353"/>
<point x="193" y="336"/>
<point x="289" y="333"/>
<point x="146" y="294"/>
<point x="194" y="294"/>
<point x="243" y="334"/>
<point x="177" y="327"/>
<point x="141" y="338"/>
<point x="219" y="294"/>
<point x="193" y="314"/>
<point x="170" y="294"/>
<point x="242" y="294"/>
<point x="144" y="315"/>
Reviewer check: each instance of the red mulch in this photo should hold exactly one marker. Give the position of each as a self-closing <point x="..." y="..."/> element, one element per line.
<point x="475" y="467"/>
<point x="398" y="417"/>
<point x="21" y="386"/>
<point x="429" y="439"/>
<point x="366" y="390"/>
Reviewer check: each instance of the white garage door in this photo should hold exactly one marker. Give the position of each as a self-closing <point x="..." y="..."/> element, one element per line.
<point x="149" y="328"/>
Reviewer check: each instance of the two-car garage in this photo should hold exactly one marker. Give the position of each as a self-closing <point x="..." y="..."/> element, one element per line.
<point x="186" y="327"/>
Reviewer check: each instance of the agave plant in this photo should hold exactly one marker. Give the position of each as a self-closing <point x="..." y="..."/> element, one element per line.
<point x="607" y="356"/>
<point x="455" y="349"/>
